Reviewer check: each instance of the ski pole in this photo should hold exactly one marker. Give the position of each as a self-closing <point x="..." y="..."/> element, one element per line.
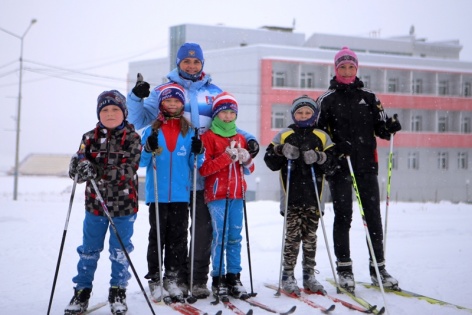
<point x="247" y="231"/>
<point x="366" y="228"/>
<point x="63" y="241"/>
<point x="287" y="187"/>
<point x="313" y="175"/>
<point x="158" y="223"/>
<point x="112" y="224"/>
<point x="387" y="199"/>
<point x="191" y="299"/>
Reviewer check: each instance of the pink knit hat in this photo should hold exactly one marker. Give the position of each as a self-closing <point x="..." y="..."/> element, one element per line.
<point x="345" y="55"/>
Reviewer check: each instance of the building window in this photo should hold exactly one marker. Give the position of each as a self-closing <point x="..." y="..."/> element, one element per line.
<point x="443" y="87"/>
<point x="467" y="89"/>
<point x="366" y="80"/>
<point x="278" y="79"/>
<point x="417" y="87"/>
<point x="465" y="125"/>
<point x="413" y="161"/>
<point x="462" y="161"/>
<point x="279" y="116"/>
<point x="442" y="161"/>
<point x="307" y="80"/>
<point x="442" y="124"/>
<point x="416" y="123"/>
<point x="392" y="85"/>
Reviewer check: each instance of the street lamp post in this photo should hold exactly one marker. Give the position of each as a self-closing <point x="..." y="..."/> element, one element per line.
<point x="18" y="115"/>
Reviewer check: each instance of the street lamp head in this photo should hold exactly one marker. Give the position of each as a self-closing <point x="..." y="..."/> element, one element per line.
<point x="33" y="21"/>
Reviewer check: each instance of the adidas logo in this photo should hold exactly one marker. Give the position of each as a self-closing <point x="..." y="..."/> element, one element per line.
<point x="362" y="102"/>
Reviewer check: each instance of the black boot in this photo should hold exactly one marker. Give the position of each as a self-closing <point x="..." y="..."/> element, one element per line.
<point x="235" y="287"/>
<point x="220" y="290"/>
<point x="79" y="302"/>
<point x="117" y="300"/>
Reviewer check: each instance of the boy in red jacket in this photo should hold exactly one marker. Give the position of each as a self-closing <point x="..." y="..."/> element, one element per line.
<point x="226" y="161"/>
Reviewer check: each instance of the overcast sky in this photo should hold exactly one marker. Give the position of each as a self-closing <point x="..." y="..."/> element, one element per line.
<point x="79" y="48"/>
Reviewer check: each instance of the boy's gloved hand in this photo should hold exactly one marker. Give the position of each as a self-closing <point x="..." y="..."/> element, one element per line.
<point x="312" y="156"/>
<point x="74" y="161"/>
<point x="88" y="170"/>
<point x="291" y="152"/>
<point x="393" y="125"/>
<point x="233" y="153"/>
<point x="243" y="155"/>
<point x="141" y="89"/>
<point x="197" y="146"/>
<point x="253" y="147"/>
<point x="151" y="143"/>
<point x="343" y="148"/>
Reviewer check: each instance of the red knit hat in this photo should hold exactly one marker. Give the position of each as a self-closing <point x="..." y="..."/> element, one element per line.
<point x="224" y="101"/>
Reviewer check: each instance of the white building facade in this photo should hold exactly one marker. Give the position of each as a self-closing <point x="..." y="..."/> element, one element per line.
<point x="425" y="83"/>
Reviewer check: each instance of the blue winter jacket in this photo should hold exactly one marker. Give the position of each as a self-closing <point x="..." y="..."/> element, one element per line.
<point x="199" y="96"/>
<point x="174" y="169"/>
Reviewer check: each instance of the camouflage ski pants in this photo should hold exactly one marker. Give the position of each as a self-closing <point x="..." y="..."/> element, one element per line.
<point x="302" y="224"/>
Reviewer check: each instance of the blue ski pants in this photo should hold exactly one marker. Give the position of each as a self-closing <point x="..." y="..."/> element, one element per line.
<point x="94" y="232"/>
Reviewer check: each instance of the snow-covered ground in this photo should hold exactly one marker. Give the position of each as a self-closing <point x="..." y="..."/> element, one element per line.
<point x="429" y="249"/>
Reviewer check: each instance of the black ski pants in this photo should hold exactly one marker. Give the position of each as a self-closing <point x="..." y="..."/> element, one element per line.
<point x="173" y="224"/>
<point x="203" y="238"/>
<point x="341" y="189"/>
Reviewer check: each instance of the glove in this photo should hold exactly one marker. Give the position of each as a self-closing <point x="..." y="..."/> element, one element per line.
<point x="243" y="155"/>
<point x="233" y="153"/>
<point x="141" y="89"/>
<point x="282" y="212"/>
<point x="197" y="146"/>
<point x="393" y="125"/>
<point x="312" y="156"/>
<point x="151" y="142"/>
<point x="74" y="161"/>
<point x="343" y="148"/>
<point x="253" y="147"/>
<point x="88" y="170"/>
<point x="291" y="152"/>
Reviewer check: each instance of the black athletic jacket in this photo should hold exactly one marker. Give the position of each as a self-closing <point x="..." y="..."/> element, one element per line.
<point x="349" y="112"/>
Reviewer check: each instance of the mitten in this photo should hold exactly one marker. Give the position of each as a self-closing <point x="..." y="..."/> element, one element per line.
<point x="393" y="125"/>
<point x="243" y="155"/>
<point x="233" y="153"/>
<point x="88" y="170"/>
<point x="343" y="148"/>
<point x="197" y="146"/>
<point x="141" y="89"/>
<point x="253" y="147"/>
<point x="312" y="156"/>
<point x="151" y="143"/>
<point x="291" y="152"/>
<point x="74" y="161"/>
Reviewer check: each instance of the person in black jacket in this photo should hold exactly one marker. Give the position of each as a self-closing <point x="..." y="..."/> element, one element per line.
<point x="305" y="147"/>
<point x="353" y="116"/>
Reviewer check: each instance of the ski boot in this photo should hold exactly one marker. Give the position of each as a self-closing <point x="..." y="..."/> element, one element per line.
<point x="345" y="276"/>
<point x="289" y="283"/>
<point x="79" y="302"/>
<point x="235" y="287"/>
<point x="117" y="300"/>
<point x="220" y="291"/>
<point x="158" y="293"/>
<point x="170" y="284"/>
<point x="388" y="281"/>
<point x="310" y="283"/>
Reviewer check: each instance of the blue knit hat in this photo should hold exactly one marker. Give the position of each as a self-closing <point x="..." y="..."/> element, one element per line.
<point x="305" y="101"/>
<point x="112" y="97"/>
<point x="172" y="90"/>
<point x="189" y="50"/>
